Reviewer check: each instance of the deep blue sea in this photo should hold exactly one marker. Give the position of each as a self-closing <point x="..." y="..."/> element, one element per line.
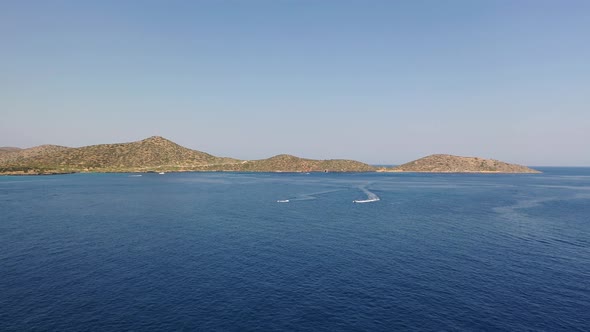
<point x="217" y="252"/>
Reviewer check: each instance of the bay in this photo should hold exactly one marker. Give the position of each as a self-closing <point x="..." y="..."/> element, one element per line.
<point x="282" y="251"/>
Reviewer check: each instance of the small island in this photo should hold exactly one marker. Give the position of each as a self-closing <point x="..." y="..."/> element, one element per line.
<point x="445" y="163"/>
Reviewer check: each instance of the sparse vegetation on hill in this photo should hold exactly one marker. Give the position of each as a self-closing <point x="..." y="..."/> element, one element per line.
<point x="154" y="154"/>
<point x="7" y="149"/>
<point x="24" y="154"/>
<point x="444" y="163"/>
<point x="159" y="154"/>
<point x="288" y="163"/>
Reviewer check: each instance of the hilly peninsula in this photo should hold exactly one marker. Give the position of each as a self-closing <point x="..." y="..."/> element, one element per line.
<point x="444" y="163"/>
<point x="154" y="154"/>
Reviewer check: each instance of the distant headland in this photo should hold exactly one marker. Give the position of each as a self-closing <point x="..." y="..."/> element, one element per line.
<point x="445" y="163"/>
<point x="157" y="154"/>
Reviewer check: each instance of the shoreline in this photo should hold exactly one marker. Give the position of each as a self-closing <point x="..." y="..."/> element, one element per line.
<point x="287" y="172"/>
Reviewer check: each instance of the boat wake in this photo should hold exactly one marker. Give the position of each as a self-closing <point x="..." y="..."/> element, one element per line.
<point x="306" y="197"/>
<point x="371" y="197"/>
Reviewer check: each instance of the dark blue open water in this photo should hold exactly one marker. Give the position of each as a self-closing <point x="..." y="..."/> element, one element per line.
<point x="216" y="251"/>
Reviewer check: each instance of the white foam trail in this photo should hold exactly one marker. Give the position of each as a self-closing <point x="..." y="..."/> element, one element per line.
<point x="371" y="197"/>
<point x="306" y="197"/>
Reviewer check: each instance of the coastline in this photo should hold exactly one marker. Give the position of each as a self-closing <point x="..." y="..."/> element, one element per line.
<point x="255" y="171"/>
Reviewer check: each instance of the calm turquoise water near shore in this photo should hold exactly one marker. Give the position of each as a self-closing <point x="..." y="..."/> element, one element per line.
<point x="216" y="251"/>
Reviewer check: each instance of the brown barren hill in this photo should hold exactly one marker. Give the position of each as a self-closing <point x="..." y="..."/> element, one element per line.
<point x="5" y="149"/>
<point x="21" y="155"/>
<point x="289" y="163"/>
<point x="444" y="163"/>
<point x="154" y="154"/>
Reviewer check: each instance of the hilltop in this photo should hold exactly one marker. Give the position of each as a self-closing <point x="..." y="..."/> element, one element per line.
<point x="444" y="163"/>
<point x="153" y="154"/>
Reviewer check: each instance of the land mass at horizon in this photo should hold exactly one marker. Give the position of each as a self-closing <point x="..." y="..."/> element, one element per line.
<point x="445" y="163"/>
<point x="162" y="155"/>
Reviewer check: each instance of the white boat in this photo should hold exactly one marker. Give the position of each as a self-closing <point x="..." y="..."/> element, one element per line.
<point x="283" y="201"/>
<point x="365" y="200"/>
<point x="161" y="173"/>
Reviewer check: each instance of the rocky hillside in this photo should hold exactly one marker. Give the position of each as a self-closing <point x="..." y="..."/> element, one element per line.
<point x="6" y="149"/>
<point x="23" y="155"/>
<point x="444" y="163"/>
<point x="288" y="163"/>
<point x="153" y="154"/>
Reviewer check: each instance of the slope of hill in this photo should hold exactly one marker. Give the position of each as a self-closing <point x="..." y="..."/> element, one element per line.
<point x="288" y="163"/>
<point x="154" y="154"/>
<point x="444" y="163"/>
<point x="19" y="155"/>
<point x="148" y="153"/>
<point x="5" y="149"/>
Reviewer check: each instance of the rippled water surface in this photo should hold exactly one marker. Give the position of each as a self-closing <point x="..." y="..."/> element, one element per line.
<point x="239" y="251"/>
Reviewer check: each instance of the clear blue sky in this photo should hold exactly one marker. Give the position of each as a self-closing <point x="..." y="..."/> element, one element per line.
<point x="377" y="81"/>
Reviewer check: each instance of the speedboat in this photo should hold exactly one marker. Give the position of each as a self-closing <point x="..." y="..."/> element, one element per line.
<point x="365" y="200"/>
